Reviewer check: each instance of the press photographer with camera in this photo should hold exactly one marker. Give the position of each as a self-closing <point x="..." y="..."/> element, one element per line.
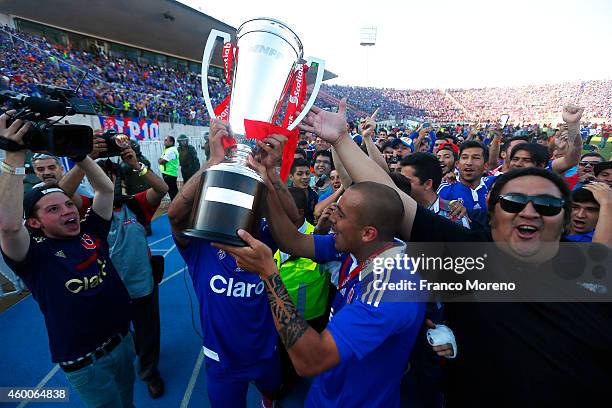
<point x="80" y="293"/>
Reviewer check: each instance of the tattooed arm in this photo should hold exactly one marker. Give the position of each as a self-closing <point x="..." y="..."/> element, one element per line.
<point x="267" y="160"/>
<point x="311" y="353"/>
<point x="286" y="200"/>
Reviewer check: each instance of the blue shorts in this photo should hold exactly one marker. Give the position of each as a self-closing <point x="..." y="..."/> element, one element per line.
<point x="228" y="387"/>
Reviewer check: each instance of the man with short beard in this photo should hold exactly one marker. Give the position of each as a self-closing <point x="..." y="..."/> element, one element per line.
<point x="362" y="336"/>
<point x="447" y="156"/>
<point x="323" y="166"/>
<point x="47" y="168"/>
<point x="586" y="167"/>
<point x="471" y="190"/>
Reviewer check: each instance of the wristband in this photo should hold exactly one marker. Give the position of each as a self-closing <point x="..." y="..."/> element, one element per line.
<point x="142" y="169"/>
<point x="15" y="171"/>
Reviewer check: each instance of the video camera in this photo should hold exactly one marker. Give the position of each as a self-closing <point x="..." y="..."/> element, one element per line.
<point x="45" y="135"/>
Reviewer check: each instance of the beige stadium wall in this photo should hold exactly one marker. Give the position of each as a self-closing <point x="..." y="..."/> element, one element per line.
<point x="152" y="149"/>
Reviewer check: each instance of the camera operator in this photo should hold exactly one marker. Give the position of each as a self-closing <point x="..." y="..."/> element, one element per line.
<point x="84" y="302"/>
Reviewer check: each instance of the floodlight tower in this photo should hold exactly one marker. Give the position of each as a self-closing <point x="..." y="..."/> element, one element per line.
<point x="367" y="40"/>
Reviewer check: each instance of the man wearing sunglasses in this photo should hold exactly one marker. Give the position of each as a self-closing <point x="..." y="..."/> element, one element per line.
<point x="586" y="168"/>
<point x="514" y="354"/>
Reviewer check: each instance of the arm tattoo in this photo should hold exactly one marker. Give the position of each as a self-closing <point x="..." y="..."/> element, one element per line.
<point x="278" y="185"/>
<point x="291" y="326"/>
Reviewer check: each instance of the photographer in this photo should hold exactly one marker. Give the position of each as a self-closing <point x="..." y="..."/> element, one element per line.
<point x="131" y="256"/>
<point x="84" y="302"/>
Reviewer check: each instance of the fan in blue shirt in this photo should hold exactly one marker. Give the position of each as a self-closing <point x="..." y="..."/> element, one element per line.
<point x="360" y="358"/>
<point x="471" y="190"/>
<point x="585" y="213"/>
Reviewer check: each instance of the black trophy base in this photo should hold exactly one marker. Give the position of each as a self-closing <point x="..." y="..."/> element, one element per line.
<point x="215" y="237"/>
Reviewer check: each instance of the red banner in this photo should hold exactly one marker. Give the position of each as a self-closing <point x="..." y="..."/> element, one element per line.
<point x="260" y="130"/>
<point x="222" y="111"/>
<point x="296" y="99"/>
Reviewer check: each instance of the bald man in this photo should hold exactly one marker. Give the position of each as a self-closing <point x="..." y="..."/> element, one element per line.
<point x="365" y="333"/>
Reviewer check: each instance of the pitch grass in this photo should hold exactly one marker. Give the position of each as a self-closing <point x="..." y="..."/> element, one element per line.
<point x="607" y="152"/>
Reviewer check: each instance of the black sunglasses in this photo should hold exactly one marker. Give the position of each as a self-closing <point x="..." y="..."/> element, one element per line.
<point x="543" y="204"/>
<point x="587" y="163"/>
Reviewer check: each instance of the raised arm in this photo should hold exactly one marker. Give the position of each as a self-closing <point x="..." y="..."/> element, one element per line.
<point x="104" y="190"/>
<point x="284" y="231"/>
<point x="367" y="128"/>
<point x="331" y="127"/>
<point x="158" y="188"/>
<point x="271" y="152"/>
<point x="180" y="208"/>
<point x="71" y="180"/>
<point x="494" y="148"/>
<point x="322" y="205"/>
<point x="311" y="352"/>
<point x="571" y="116"/>
<point x="14" y="237"/>
<point x="345" y="179"/>
<point x="603" y="230"/>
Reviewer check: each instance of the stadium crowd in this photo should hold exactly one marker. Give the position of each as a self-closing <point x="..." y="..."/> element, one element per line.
<point x="300" y="300"/>
<point x="119" y="86"/>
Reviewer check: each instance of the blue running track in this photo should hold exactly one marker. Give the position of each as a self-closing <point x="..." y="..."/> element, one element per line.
<point x="24" y="351"/>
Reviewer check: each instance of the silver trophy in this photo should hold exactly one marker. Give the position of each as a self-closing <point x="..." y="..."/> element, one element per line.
<point x="267" y="55"/>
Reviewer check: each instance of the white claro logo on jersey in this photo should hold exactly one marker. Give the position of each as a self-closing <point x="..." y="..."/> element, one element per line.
<point x="229" y="287"/>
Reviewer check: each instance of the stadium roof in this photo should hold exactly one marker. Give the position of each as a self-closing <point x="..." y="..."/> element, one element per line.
<point x="164" y="26"/>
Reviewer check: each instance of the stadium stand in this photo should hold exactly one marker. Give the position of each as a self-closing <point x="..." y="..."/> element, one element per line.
<point x="120" y="86"/>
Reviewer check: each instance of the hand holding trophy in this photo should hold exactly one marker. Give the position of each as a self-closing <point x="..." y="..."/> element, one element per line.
<point x="269" y="72"/>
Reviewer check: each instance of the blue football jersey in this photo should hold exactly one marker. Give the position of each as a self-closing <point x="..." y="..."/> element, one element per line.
<point x="472" y="199"/>
<point x="237" y="325"/>
<point x="374" y="340"/>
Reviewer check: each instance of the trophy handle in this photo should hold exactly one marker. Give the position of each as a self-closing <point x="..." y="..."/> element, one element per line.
<point x="315" y="90"/>
<point x="208" y="51"/>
